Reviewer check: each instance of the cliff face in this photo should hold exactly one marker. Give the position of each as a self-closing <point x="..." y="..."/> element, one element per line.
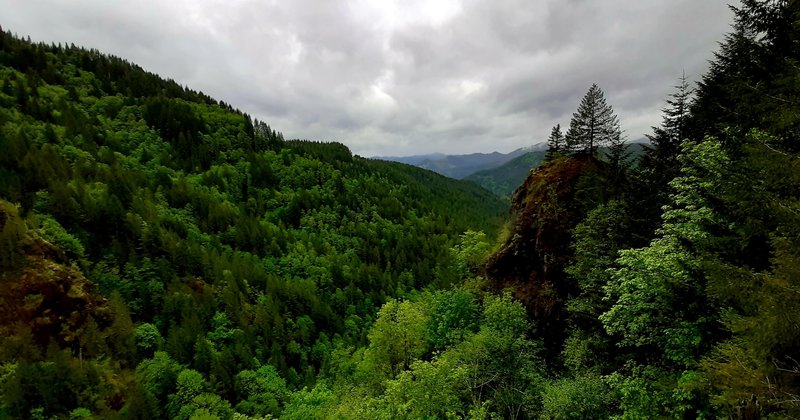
<point x="544" y="211"/>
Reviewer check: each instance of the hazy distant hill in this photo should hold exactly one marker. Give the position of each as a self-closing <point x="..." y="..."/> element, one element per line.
<point x="461" y="166"/>
<point x="504" y="179"/>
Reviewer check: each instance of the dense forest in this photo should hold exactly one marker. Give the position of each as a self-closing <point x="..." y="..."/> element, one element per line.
<point x="162" y="255"/>
<point x="152" y="235"/>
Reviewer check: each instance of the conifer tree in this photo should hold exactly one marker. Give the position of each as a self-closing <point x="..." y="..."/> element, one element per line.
<point x="556" y="143"/>
<point x="667" y="139"/>
<point x="594" y="124"/>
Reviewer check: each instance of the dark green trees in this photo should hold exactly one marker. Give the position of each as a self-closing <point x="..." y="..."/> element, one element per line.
<point x="142" y="223"/>
<point x="674" y="129"/>
<point x="556" y="143"/>
<point x="593" y="125"/>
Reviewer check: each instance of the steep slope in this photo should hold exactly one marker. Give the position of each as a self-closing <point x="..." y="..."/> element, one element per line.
<point x="216" y="243"/>
<point x="544" y="211"/>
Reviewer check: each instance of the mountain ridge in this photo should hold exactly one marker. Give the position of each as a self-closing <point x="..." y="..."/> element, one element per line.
<point x="463" y="165"/>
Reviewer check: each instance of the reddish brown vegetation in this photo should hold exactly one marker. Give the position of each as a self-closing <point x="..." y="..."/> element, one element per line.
<point x="45" y="296"/>
<point x="544" y="211"/>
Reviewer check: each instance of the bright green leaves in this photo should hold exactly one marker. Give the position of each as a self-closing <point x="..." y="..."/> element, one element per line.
<point x="505" y="316"/>
<point x="453" y="316"/>
<point x="582" y="397"/>
<point x="53" y="232"/>
<point x="158" y="375"/>
<point x="428" y="389"/>
<point x="446" y="354"/>
<point x="646" y="293"/>
<point x="262" y="391"/>
<point x="470" y="252"/>
<point x="192" y="399"/>
<point x="657" y="293"/>
<point x="147" y="338"/>
<point x="397" y="337"/>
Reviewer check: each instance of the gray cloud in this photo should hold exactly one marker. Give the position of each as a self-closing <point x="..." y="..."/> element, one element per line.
<point x="404" y="76"/>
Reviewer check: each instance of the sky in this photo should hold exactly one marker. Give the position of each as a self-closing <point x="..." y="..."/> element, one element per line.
<point x="402" y="77"/>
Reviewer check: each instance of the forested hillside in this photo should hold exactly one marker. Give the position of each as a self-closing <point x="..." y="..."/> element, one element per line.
<point x="163" y="256"/>
<point x="668" y="289"/>
<point x="154" y="239"/>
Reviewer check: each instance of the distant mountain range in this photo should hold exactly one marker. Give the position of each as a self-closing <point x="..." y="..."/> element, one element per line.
<point x="461" y="166"/>
<point x="500" y="173"/>
<point x="504" y="179"/>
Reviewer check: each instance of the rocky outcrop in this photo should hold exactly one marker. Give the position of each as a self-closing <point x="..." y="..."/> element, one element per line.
<point x="545" y="210"/>
<point x="43" y="296"/>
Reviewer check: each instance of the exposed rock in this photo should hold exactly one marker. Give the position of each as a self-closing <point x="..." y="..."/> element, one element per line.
<point x="544" y="212"/>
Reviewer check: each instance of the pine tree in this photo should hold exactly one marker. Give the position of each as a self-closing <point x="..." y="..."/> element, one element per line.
<point x="618" y="153"/>
<point x="674" y="129"/>
<point x="594" y="124"/>
<point x="556" y="144"/>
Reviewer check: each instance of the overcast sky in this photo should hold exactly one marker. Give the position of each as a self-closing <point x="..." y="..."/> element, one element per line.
<point x="402" y="77"/>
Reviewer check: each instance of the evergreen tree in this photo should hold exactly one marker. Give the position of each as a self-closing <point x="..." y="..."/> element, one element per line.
<point x="667" y="139"/>
<point x="594" y="124"/>
<point x="556" y="143"/>
<point x="618" y="153"/>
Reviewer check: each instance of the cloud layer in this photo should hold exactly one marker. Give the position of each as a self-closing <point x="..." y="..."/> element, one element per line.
<point x="400" y="77"/>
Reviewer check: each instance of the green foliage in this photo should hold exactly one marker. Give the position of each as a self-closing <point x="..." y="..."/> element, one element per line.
<point x="454" y="315"/>
<point x="396" y="338"/>
<point x="582" y="397"/>
<point x="206" y="406"/>
<point x="756" y="362"/>
<point x="470" y="253"/>
<point x="427" y="389"/>
<point x="148" y="338"/>
<point x="262" y="392"/>
<point x="80" y="413"/>
<point x="159" y="375"/>
<point x="209" y="242"/>
<point x="647" y="391"/>
<point x="308" y="404"/>
<point x="503" y="315"/>
<point x="596" y="241"/>
<point x="12" y="232"/>
<point x="493" y="369"/>
<point x="294" y="279"/>
<point x="52" y="231"/>
<point x="556" y="144"/>
<point x="190" y="385"/>
<point x="657" y="294"/>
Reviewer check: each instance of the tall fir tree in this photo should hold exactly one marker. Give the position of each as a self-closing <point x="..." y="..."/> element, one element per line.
<point x="556" y="144"/>
<point x="662" y="159"/>
<point x="593" y="125"/>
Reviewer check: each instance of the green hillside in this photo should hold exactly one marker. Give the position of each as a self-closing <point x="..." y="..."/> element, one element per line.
<point x="162" y="255"/>
<point x="170" y="228"/>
